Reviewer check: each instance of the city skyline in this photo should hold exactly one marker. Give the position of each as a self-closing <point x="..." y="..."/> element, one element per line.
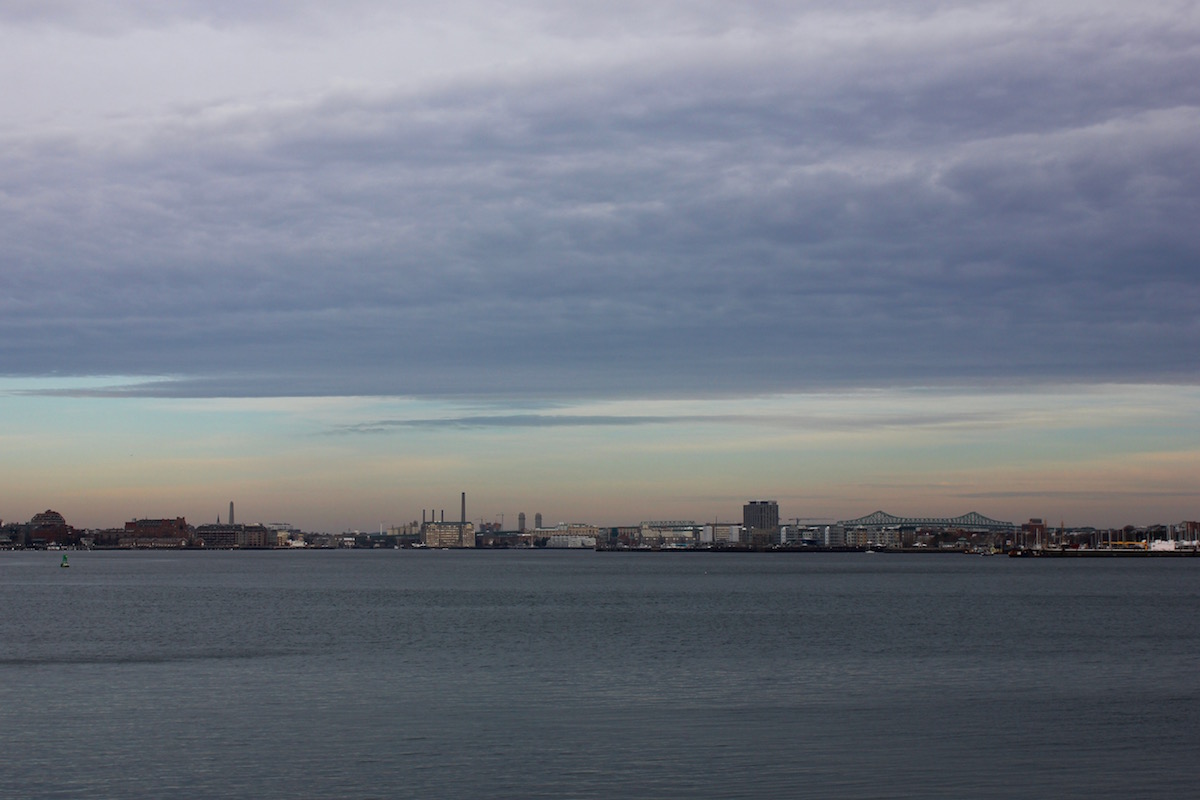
<point x="1079" y="457"/>
<point x="610" y="263"/>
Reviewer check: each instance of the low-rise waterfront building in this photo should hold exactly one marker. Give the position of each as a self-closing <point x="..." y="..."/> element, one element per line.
<point x="571" y="541"/>
<point x="568" y="535"/>
<point x="670" y="533"/>
<point x="448" y="534"/>
<point x="226" y="537"/>
<point x="721" y="533"/>
<point x="156" y="533"/>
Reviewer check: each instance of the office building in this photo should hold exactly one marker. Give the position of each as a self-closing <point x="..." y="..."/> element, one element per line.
<point x="761" y="515"/>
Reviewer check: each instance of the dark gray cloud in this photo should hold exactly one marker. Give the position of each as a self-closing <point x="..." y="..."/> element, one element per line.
<point x="1001" y="203"/>
<point x="523" y="421"/>
<point x="823" y="422"/>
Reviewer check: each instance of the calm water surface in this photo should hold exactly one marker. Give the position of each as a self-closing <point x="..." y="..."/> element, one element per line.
<point x="446" y="674"/>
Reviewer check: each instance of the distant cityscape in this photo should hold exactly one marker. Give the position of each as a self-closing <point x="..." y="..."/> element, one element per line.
<point x="760" y="529"/>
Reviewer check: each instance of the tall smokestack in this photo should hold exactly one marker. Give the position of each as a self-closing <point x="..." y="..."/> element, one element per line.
<point x="463" y="523"/>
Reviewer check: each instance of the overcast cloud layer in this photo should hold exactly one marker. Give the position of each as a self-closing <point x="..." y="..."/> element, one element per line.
<point x="530" y="198"/>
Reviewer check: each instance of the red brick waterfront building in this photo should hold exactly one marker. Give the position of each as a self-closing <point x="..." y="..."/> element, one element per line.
<point x="156" y="533"/>
<point x="49" y="527"/>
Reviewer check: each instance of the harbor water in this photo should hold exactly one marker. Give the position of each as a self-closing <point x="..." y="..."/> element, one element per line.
<point x="556" y="674"/>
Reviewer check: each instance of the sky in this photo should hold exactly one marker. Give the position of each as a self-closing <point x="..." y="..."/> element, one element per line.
<point x="607" y="262"/>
